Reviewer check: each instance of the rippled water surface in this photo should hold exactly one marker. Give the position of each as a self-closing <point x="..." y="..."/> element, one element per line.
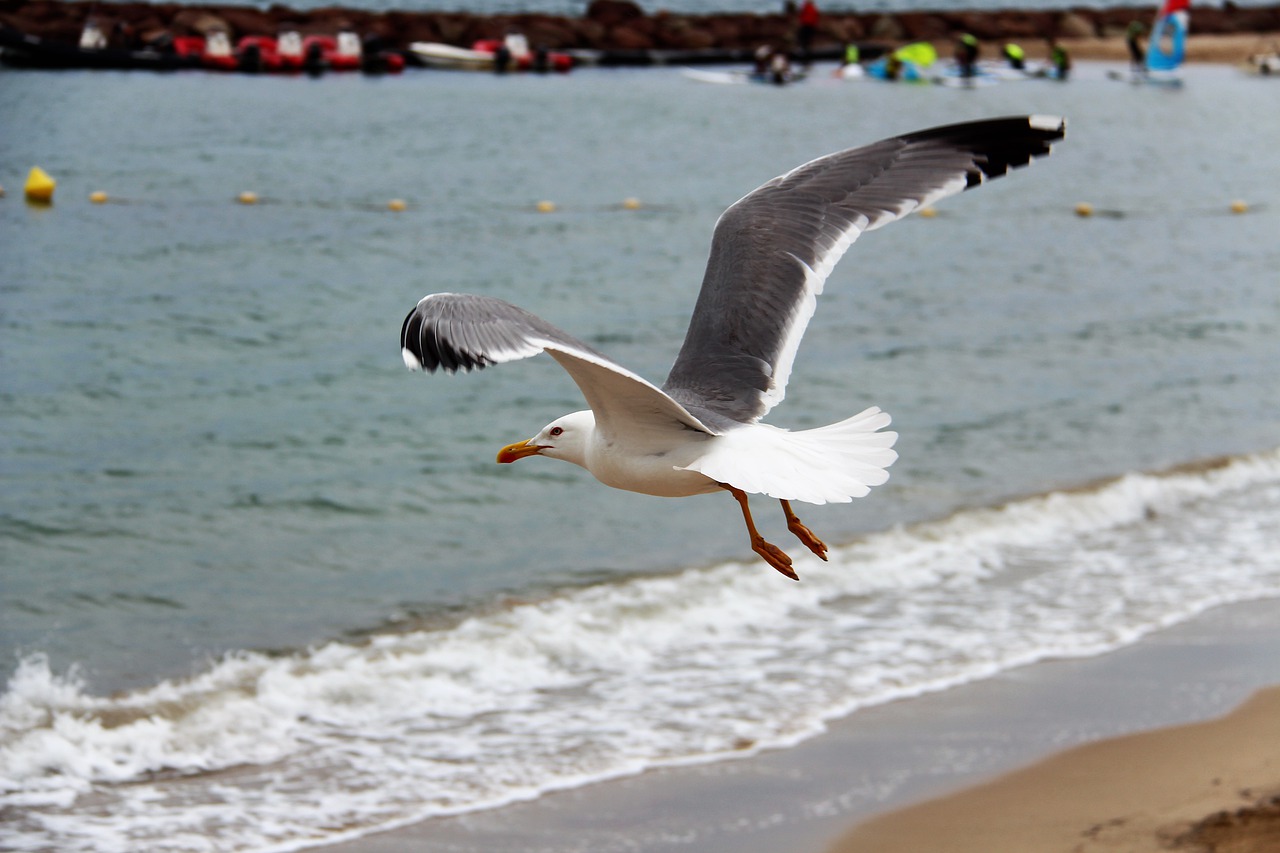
<point x="215" y="465"/>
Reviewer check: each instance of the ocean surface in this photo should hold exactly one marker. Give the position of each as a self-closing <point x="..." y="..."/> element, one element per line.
<point x="262" y="588"/>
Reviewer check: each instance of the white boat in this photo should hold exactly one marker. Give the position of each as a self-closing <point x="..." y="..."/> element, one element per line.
<point x="733" y="78"/>
<point x="727" y="78"/>
<point x="511" y="53"/>
<point x="1264" y="64"/>
<point x="438" y="55"/>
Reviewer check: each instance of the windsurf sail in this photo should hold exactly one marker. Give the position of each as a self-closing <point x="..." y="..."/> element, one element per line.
<point x="921" y="54"/>
<point x="907" y="63"/>
<point x="1168" y="45"/>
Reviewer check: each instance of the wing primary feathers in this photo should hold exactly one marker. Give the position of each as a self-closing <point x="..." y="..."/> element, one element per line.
<point x="453" y="332"/>
<point x="756" y="300"/>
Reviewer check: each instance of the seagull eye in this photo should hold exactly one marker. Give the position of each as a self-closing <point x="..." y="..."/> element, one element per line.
<point x="557" y="431"/>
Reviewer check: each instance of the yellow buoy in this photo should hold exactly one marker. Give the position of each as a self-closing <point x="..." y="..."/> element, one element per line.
<point x="545" y="206"/>
<point x="98" y="197"/>
<point x="928" y="212"/>
<point x="1" y="192"/>
<point x="247" y="197"/>
<point x="396" y="204"/>
<point x="1239" y="206"/>
<point x="631" y="203"/>
<point x="40" y="186"/>
<point x="1084" y="209"/>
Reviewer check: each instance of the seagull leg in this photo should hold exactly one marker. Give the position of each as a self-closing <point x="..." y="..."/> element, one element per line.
<point x="772" y="554"/>
<point x="804" y="534"/>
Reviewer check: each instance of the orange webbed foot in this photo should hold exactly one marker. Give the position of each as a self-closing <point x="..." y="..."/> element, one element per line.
<point x="774" y="556"/>
<point x="804" y="534"/>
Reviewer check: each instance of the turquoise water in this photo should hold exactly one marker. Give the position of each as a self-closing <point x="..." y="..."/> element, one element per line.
<point x="223" y="492"/>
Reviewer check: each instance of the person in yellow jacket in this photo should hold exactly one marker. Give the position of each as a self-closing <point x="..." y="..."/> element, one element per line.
<point x="1016" y="56"/>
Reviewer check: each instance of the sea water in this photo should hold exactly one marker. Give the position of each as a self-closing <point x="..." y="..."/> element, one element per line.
<point x="262" y="588"/>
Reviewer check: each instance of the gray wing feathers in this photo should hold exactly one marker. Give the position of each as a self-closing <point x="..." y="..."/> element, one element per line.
<point x="451" y="332"/>
<point x="773" y="249"/>
<point x="454" y="331"/>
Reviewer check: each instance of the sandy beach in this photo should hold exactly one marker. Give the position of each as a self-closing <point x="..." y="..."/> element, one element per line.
<point x="1228" y="49"/>
<point x="1211" y="786"/>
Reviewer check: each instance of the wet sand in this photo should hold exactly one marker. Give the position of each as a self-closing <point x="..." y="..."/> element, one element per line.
<point x="1211" y="786"/>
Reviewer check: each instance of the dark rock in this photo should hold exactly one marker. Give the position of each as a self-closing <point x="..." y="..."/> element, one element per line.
<point x="985" y="26"/>
<point x="679" y="33"/>
<point x="629" y="38"/>
<point x="613" y="13"/>
<point x="888" y="28"/>
<point x="246" y="21"/>
<point x="590" y="33"/>
<point x="723" y="29"/>
<point x="404" y="28"/>
<point x="1025" y="25"/>
<point x="196" y="22"/>
<point x="1073" y="25"/>
<point x="922" y="26"/>
<point x="549" y="32"/>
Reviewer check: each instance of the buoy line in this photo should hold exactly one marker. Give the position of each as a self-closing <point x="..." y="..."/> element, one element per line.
<point x="40" y="186"/>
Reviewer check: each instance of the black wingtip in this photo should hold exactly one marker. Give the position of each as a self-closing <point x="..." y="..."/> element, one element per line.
<point x="409" y="347"/>
<point x="999" y="144"/>
<point x="424" y="348"/>
<point x="418" y="343"/>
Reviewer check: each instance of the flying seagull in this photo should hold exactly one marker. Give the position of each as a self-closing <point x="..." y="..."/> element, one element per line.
<point x="771" y="253"/>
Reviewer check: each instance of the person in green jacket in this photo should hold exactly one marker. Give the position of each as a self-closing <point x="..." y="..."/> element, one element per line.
<point x="1060" y="60"/>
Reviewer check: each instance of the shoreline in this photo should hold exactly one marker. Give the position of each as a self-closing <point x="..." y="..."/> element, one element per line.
<point x="621" y="30"/>
<point x="1220" y="49"/>
<point x="889" y="762"/>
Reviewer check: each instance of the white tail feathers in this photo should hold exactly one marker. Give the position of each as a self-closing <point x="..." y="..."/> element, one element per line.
<point x="830" y="464"/>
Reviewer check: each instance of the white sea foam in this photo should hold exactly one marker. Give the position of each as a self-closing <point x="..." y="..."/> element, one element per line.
<point x="274" y="752"/>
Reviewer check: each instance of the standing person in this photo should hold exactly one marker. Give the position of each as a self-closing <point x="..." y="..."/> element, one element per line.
<point x="1133" y="38"/>
<point x="780" y="68"/>
<point x="1015" y="56"/>
<point x="967" y="55"/>
<point x="808" y="29"/>
<point x="762" y="56"/>
<point x="502" y="59"/>
<point x="1060" y="59"/>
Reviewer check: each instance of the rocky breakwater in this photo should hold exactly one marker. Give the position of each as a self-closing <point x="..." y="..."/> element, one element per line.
<point x="609" y="27"/>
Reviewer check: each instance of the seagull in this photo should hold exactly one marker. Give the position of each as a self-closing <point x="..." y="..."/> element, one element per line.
<point x="771" y="253"/>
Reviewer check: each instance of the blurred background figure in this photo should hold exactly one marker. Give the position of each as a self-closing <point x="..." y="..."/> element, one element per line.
<point x="808" y="28"/>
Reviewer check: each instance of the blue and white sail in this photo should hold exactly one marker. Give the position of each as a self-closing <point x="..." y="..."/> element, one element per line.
<point x="1168" y="46"/>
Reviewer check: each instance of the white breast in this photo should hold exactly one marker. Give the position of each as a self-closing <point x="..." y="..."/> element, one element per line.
<point x="660" y="470"/>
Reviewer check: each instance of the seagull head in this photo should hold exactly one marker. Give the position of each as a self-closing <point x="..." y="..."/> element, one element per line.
<point x="564" y="438"/>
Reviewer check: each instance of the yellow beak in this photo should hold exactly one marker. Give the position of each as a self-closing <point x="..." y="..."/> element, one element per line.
<point x="519" y="450"/>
